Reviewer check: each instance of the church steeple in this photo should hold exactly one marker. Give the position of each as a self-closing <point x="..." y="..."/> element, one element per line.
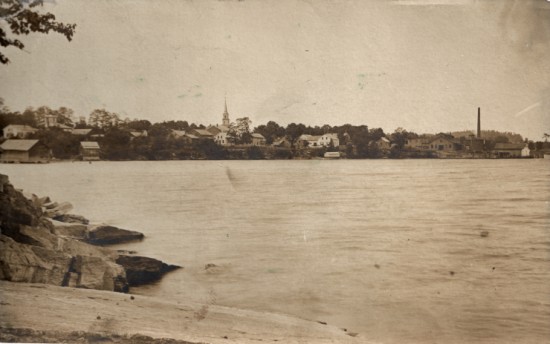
<point x="225" y="120"/>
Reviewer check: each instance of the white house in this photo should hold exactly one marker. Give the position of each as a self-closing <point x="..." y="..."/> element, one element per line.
<point x="306" y="140"/>
<point x="326" y="139"/>
<point x="222" y="139"/>
<point x="12" y="131"/>
<point x="319" y="140"/>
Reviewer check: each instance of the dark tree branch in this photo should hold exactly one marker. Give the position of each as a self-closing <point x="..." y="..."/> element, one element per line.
<point x="22" y="19"/>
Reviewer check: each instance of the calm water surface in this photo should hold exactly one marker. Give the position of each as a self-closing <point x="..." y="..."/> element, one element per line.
<point x="390" y="249"/>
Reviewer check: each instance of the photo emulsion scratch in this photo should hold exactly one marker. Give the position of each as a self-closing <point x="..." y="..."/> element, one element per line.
<point x="291" y="171"/>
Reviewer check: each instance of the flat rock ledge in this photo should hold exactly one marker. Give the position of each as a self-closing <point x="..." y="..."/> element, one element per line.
<point x="41" y="243"/>
<point x="108" y="235"/>
<point x="100" y="235"/>
<point x="46" y="313"/>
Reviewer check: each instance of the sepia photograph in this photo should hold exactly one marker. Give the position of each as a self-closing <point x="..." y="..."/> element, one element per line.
<point x="275" y="171"/>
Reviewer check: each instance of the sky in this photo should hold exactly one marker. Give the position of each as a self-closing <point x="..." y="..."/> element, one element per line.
<point x="423" y="65"/>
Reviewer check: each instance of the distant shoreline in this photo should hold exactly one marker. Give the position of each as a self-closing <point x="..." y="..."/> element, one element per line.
<point x="57" y="161"/>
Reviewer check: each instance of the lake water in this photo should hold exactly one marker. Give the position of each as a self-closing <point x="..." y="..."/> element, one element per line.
<point x="400" y="251"/>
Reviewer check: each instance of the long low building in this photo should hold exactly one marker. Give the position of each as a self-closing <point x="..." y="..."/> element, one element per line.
<point x="25" y="151"/>
<point x="509" y="150"/>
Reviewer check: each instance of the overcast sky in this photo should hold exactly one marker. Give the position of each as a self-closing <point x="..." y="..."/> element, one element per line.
<point x="425" y="65"/>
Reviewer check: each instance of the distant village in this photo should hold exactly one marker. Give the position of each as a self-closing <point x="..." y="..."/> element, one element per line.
<point x="41" y="135"/>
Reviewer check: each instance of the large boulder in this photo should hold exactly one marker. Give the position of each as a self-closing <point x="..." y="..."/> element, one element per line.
<point x="37" y="264"/>
<point x="16" y="209"/>
<point x="97" y="273"/>
<point x="32" y="264"/>
<point x="108" y="235"/>
<point x="143" y="270"/>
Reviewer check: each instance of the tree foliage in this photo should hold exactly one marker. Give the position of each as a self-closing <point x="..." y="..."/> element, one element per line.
<point x="102" y="118"/>
<point x="271" y="131"/>
<point x="63" y="144"/>
<point x="239" y="132"/>
<point x="115" y="144"/>
<point x="22" y="17"/>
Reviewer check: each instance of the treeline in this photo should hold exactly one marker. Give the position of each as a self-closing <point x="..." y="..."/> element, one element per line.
<point x="492" y="135"/>
<point x="117" y="142"/>
<point x="120" y="139"/>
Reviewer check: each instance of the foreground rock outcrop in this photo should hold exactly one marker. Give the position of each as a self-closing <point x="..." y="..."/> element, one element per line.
<point x="35" y="248"/>
<point x="30" y="263"/>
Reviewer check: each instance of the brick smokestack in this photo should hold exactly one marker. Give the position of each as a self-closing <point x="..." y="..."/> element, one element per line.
<point x="478" y="123"/>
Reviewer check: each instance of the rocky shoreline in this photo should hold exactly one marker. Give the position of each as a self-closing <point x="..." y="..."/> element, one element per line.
<point x="40" y="242"/>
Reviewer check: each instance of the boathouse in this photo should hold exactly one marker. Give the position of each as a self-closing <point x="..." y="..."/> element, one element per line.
<point x="89" y="150"/>
<point x="24" y="151"/>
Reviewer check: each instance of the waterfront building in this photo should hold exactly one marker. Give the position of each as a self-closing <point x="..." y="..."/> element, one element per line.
<point x="24" y="151"/>
<point x="445" y="144"/>
<point x="89" y="150"/>
<point x="508" y="150"/>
